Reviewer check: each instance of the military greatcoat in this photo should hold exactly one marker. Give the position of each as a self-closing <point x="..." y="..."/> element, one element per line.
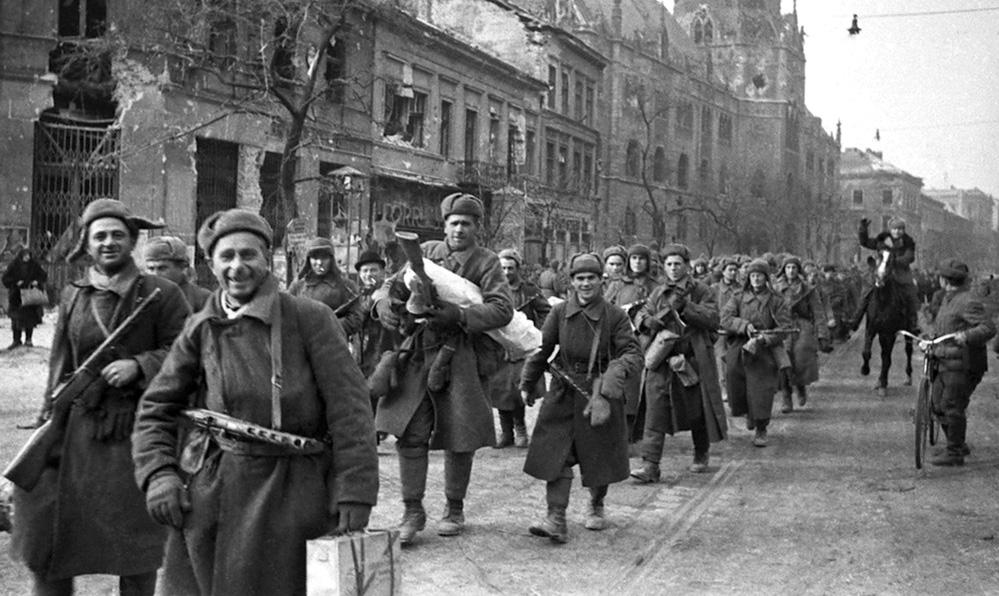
<point x="562" y="429"/>
<point x="251" y="510"/>
<point x="808" y="315"/>
<point x="334" y="290"/>
<point x="624" y="292"/>
<point x="504" y="386"/>
<point x="86" y="515"/>
<point x="463" y="417"/>
<point x="670" y="406"/>
<point x="752" y="379"/>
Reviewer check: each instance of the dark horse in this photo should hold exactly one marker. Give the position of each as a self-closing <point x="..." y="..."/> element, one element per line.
<point x="887" y="314"/>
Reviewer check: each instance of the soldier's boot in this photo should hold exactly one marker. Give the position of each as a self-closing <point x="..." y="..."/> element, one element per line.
<point x="27" y="337"/>
<point x="802" y="395"/>
<point x="506" y="429"/>
<point x="520" y="439"/>
<point x="700" y="463"/>
<point x="142" y="584"/>
<point x="787" y="405"/>
<point x="16" y="332"/>
<point x="760" y="438"/>
<point x="647" y="473"/>
<point x="457" y="472"/>
<point x="553" y="526"/>
<point x="595" y="519"/>
<point x="413" y="463"/>
<point x="954" y="456"/>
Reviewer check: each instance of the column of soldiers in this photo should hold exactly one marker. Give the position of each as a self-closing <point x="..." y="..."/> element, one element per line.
<point x="637" y="343"/>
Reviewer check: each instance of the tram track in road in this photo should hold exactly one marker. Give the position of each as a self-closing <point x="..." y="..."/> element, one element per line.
<point x="681" y="522"/>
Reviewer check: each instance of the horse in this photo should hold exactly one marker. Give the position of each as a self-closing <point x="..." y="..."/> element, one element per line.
<point x="886" y="314"/>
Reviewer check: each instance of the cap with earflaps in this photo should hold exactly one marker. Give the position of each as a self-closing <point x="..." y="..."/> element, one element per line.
<point x="461" y="204"/>
<point x="586" y="262"/>
<point x="512" y="254"/>
<point x="639" y="250"/>
<point x="616" y="250"/>
<point x="759" y="266"/>
<point x="101" y="208"/>
<point x="678" y="250"/>
<point x="791" y="260"/>
<point x="896" y="222"/>
<point x="165" y="248"/>
<point x="223" y="223"/>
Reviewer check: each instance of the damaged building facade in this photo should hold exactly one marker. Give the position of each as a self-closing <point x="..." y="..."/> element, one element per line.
<point x="579" y="123"/>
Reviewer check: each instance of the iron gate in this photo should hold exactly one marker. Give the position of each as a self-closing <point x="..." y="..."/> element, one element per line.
<point x="73" y="165"/>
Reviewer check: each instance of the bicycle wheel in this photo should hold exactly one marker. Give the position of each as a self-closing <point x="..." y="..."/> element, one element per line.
<point x="923" y="422"/>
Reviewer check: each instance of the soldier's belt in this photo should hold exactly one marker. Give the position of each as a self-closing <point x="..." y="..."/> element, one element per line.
<point x="581" y="368"/>
<point x="246" y="438"/>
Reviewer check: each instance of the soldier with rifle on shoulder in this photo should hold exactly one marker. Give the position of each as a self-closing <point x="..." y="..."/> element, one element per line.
<point x="81" y="513"/>
<point x="582" y="418"/>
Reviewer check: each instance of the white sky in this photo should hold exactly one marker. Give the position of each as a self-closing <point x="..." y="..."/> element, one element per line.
<point x="929" y="83"/>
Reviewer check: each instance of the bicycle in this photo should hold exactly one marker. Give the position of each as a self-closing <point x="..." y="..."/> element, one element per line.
<point x="927" y="427"/>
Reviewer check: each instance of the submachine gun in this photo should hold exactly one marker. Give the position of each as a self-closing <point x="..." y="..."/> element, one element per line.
<point x="29" y="463"/>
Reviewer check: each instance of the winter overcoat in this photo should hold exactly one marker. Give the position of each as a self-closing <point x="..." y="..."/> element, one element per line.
<point x="86" y="515"/>
<point x="23" y="274"/>
<point x="334" y="290"/>
<point x="670" y="406"/>
<point x="622" y="292"/>
<point x="195" y="294"/>
<point x="562" y="430"/>
<point x="961" y="310"/>
<point x="903" y="252"/>
<point x="808" y="315"/>
<point x="504" y="386"/>
<point x="463" y="417"/>
<point x="751" y="380"/>
<point x="251" y="513"/>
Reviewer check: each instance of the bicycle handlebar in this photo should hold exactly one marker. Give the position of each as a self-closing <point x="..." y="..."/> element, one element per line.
<point x="927" y="343"/>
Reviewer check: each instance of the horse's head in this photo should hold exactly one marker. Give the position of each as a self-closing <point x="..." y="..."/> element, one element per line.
<point x="881" y="271"/>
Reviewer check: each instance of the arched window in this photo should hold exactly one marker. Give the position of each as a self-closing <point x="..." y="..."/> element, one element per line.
<point x="682" y="171"/>
<point x="659" y="165"/>
<point x="698" y="31"/>
<point x="709" y="31"/>
<point x="704" y="173"/>
<point x="633" y="159"/>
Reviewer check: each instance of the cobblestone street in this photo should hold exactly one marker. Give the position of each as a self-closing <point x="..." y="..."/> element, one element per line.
<point x="833" y="505"/>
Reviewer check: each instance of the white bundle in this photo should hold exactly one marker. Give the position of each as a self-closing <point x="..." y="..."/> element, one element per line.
<point x="519" y="337"/>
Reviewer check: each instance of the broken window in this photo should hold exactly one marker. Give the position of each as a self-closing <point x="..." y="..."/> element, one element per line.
<point x="336" y="70"/>
<point x="404" y="114"/>
<point x="83" y="18"/>
<point x="414" y="126"/>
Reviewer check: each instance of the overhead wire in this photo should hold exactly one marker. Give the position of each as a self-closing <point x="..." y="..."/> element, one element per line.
<point x="886" y="15"/>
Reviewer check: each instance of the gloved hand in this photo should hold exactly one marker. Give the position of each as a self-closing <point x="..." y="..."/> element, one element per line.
<point x="865" y="223"/>
<point x="386" y="311"/>
<point x="167" y="500"/>
<point x="961" y="338"/>
<point x="351" y="517"/>
<point x="445" y="315"/>
<point x="598" y="409"/>
<point x="528" y="397"/>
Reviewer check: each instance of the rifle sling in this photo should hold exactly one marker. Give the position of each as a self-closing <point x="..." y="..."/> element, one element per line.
<point x="276" y="363"/>
<point x="593" y="350"/>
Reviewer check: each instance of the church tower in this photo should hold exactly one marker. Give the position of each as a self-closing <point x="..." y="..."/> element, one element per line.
<point x="757" y="52"/>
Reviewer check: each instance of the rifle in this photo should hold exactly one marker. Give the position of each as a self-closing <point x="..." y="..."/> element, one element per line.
<point x="29" y="463"/>
<point x="425" y="298"/>
<point x="343" y="308"/>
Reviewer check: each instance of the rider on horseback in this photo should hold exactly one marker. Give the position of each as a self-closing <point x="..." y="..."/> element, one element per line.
<point x="902" y="248"/>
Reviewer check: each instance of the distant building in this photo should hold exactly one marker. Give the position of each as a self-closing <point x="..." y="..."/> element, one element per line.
<point x="979" y="208"/>
<point x="874" y="188"/>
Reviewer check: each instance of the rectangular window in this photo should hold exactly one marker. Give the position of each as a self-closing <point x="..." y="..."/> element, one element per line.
<point x="445" y="136"/>
<point x="578" y="99"/>
<point x="591" y="98"/>
<point x="563" y="165"/>
<point x="494" y="137"/>
<point x="512" y="141"/>
<point x="725" y="130"/>
<point x="552" y="84"/>
<point x="587" y="170"/>
<point x="529" y="152"/>
<point x="471" y="134"/>
<point x="550" y="162"/>
<point x="414" y="124"/>
<point x="577" y="169"/>
<point x="685" y="119"/>
<point x="565" y="91"/>
<point x="858" y="197"/>
<point x="886" y="197"/>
